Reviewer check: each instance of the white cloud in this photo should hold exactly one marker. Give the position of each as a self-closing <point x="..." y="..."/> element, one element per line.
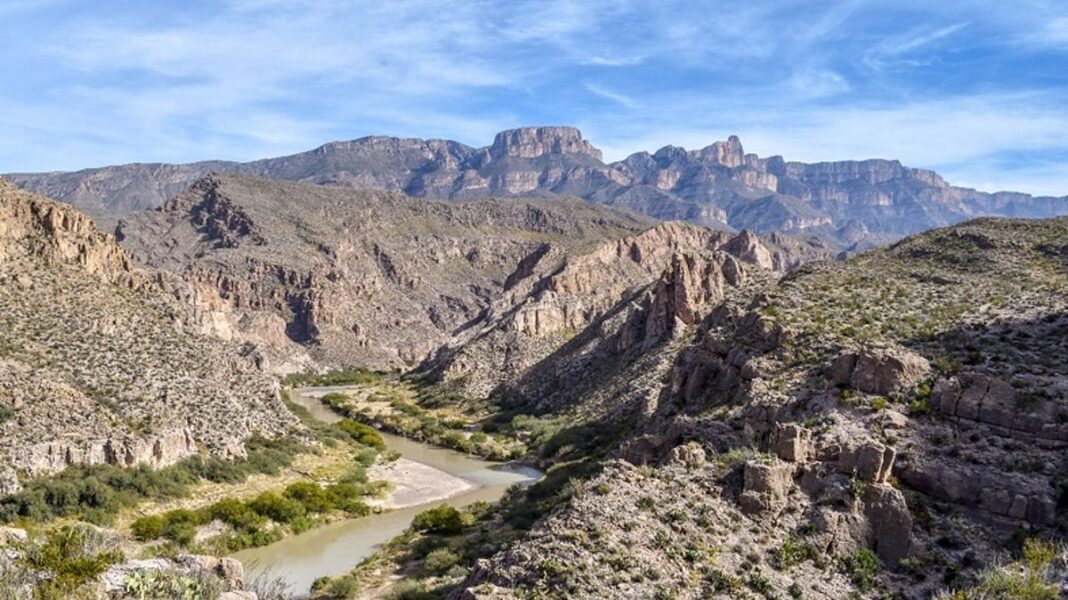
<point x="607" y="94"/>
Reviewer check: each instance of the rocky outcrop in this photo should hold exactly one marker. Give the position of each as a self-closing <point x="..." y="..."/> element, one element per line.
<point x="793" y="443"/>
<point x="306" y="273"/>
<point x="981" y="399"/>
<point x="642" y="283"/>
<point x="533" y="142"/>
<point x="879" y="371"/>
<point x="767" y="487"/>
<point x="890" y="521"/>
<point x="56" y="235"/>
<point x="228" y="572"/>
<point x="871" y="461"/>
<point x="687" y="289"/>
<point x="157" y="450"/>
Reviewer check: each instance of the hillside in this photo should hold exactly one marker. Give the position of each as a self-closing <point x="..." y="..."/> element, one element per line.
<point x="890" y="424"/>
<point x="320" y="276"/>
<point x="857" y="204"/>
<point x="103" y="362"/>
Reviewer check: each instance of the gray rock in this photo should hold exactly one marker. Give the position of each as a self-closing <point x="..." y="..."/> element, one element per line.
<point x="879" y="371"/>
<point x="766" y="487"/>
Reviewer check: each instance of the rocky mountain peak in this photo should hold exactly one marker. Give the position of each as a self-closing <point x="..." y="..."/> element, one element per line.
<point x="729" y="153"/>
<point x="532" y="142"/>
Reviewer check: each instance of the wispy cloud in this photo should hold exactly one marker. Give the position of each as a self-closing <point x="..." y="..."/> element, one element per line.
<point x="903" y="48"/>
<point x="603" y="92"/>
<point x="1055" y="32"/>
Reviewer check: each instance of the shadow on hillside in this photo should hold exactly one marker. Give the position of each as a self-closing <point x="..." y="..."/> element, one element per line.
<point x="1036" y="346"/>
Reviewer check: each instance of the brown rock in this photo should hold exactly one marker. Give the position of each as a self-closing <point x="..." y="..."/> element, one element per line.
<point x="890" y="521"/>
<point x="871" y="462"/>
<point x="766" y="487"/>
<point x="792" y="442"/>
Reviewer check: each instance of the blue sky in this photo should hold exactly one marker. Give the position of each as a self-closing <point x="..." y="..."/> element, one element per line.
<point x="975" y="90"/>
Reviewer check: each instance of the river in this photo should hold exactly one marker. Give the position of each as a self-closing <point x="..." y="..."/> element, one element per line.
<point x="336" y="548"/>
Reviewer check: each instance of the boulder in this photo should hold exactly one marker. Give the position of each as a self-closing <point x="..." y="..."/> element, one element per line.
<point x="879" y="371"/>
<point x="691" y="454"/>
<point x="871" y="461"/>
<point x="11" y="535"/>
<point x="792" y="442"/>
<point x="766" y="487"/>
<point x="891" y="523"/>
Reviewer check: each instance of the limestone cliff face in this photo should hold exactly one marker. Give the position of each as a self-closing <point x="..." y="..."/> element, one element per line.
<point x="101" y="362"/>
<point x="857" y="204"/>
<point x="532" y="142"/>
<point x="910" y="402"/>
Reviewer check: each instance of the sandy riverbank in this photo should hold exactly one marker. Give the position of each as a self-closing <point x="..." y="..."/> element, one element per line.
<point x="415" y="483"/>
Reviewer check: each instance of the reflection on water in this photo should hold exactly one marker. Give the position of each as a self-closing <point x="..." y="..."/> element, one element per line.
<point x="336" y="548"/>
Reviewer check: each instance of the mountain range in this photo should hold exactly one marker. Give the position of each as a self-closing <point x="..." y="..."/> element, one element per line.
<point x="856" y="204"/>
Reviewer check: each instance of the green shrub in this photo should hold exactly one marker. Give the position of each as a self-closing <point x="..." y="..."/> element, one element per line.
<point x="443" y="519"/>
<point x="439" y="561"/>
<point x="346" y="497"/>
<point x="98" y="492"/>
<point x="1035" y="576"/>
<point x="336" y="377"/>
<point x="793" y="552"/>
<point x="147" y="528"/>
<point x="342" y="587"/>
<point x="161" y="585"/>
<point x="366" y="457"/>
<point x="310" y="494"/>
<point x="408" y="589"/>
<point x="301" y="524"/>
<point x="862" y="567"/>
<point x="237" y="514"/>
<point x="180" y="526"/>
<point x="277" y="508"/>
<point x="70" y="557"/>
<point x="363" y="434"/>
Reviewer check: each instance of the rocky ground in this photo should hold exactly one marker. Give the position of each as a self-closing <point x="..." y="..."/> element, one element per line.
<point x="888" y="425"/>
<point x="103" y="362"/>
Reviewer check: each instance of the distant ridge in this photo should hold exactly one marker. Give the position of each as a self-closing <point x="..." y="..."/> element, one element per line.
<point x="854" y="203"/>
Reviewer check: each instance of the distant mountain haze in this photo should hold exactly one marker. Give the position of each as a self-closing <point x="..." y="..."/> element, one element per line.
<point x="854" y="203"/>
